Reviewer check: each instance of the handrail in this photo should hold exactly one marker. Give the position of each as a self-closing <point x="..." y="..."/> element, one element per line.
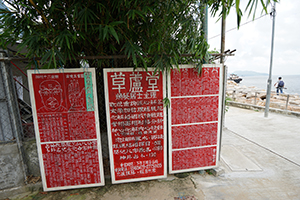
<point x="18" y="68"/>
<point x="286" y="102"/>
<point x="21" y="84"/>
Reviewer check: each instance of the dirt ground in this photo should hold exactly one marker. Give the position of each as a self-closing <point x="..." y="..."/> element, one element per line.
<point x="170" y="188"/>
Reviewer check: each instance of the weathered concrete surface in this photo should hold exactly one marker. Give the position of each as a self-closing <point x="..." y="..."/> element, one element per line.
<point x="262" y="108"/>
<point x="236" y="160"/>
<point x="31" y="157"/>
<point x="278" y="133"/>
<point x="272" y="144"/>
<point x="11" y="171"/>
<point x="278" y="179"/>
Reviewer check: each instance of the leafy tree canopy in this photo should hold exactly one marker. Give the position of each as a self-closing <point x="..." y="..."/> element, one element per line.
<point x="150" y="33"/>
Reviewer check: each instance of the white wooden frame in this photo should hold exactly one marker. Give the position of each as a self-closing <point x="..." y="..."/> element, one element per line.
<point x="37" y="133"/>
<point x="219" y="119"/>
<point x="113" y="178"/>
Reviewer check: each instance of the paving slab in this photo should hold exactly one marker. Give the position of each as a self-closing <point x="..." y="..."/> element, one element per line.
<point x="236" y="160"/>
<point x="278" y="133"/>
<point x="277" y="179"/>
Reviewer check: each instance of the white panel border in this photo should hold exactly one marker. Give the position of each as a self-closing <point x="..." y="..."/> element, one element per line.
<point x="37" y="133"/>
<point x="219" y="119"/>
<point x="111" y="157"/>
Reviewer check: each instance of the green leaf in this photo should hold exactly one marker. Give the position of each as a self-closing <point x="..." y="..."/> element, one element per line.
<point x="105" y="31"/>
<point x="166" y="102"/>
<point x="115" y="23"/>
<point x="237" y="5"/>
<point x="149" y="32"/>
<point x="199" y="68"/>
<point x="239" y="16"/>
<point x="114" y="33"/>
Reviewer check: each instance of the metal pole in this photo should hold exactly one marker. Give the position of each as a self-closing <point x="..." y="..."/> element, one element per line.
<point x="223" y="30"/>
<point x="205" y="23"/>
<point x="233" y="95"/>
<point x="273" y="13"/>
<point x="287" y="102"/>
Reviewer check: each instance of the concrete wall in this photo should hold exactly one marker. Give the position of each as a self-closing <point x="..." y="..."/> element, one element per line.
<point x="11" y="171"/>
<point x="31" y="158"/>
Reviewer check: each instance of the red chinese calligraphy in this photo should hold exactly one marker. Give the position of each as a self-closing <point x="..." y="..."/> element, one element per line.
<point x="194" y="118"/>
<point x="67" y="138"/>
<point x="136" y="124"/>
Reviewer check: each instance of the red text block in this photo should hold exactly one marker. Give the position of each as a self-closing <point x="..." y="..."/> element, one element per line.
<point x="194" y="118"/>
<point x="65" y="116"/>
<point x="136" y="124"/>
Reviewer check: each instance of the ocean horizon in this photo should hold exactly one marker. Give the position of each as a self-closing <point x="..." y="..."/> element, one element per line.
<point x="292" y="82"/>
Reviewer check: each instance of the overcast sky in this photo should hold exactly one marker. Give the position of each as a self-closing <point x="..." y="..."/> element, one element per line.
<point x="253" y="40"/>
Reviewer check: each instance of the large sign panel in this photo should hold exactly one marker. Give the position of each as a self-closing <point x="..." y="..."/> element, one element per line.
<point x="65" y="111"/>
<point x="136" y="124"/>
<point x="194" y="118"/>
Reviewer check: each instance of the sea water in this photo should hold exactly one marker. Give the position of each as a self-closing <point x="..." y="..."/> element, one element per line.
<point x="291" y="82"/>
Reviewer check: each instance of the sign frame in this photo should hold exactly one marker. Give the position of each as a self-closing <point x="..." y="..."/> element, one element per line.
<point x="217" y="146"/>
<point x="109" y="131"/>
<point x="37" y="132"/>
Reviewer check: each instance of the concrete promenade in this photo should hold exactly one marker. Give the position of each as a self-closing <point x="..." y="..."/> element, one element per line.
<point x="260" y="159"/>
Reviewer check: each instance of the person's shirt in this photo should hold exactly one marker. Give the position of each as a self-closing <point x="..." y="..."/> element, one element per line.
<point x="277" y="84"/>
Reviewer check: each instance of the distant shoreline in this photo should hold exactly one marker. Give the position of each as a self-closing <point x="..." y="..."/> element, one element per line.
<point x="261" y="75"/>
<point x="249" y="73"/>
<point x="268" y="75"/>
<point x="292" y="83"/>
<point x="257" y="96"/>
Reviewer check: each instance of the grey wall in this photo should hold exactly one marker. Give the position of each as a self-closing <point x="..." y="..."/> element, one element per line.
<point x="11" y="171"/>
<point x="31" y="157"/>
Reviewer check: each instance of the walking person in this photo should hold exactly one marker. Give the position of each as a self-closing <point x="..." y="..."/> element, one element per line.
<point x="279" y="85"/>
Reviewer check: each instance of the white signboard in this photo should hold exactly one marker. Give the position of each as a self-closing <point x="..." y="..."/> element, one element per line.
<point x="194" y="118"/>
<point x="136" y="123"/>
<point x="65" y="113"/>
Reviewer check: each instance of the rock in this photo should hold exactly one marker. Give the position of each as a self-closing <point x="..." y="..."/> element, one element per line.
<point x="294" y="97"/>
<point x="262" y="97"/>
<point x="280" y="97"/>
<point x="294" y="108"/>
<point x="262" y="103"/>
<point x="256" y="100"/>
<point x="246" y="101"/>
<point x="276" y="105"/>
<point x="250" y="95"/>
<point x="294" y="102"/>
<point x="246" y="95"/>
<point x="284" y="95"/>
<point x="229" y="93"/>
<point x="217" y="171"/>
<point x="202" y="172"/>
<point x="182" y="175"/>
<point x="232" y="83"/>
